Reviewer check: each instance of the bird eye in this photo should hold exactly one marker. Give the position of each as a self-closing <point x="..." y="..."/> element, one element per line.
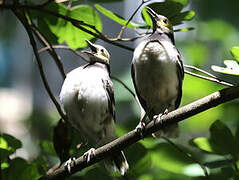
<point x="165" y="21"/>
<point x="102" y="50"/>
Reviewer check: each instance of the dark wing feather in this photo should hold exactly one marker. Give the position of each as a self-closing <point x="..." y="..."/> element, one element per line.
<point x="180" y="73"/>
<point x="141" y="100"/>
<point x="110" y="94"/>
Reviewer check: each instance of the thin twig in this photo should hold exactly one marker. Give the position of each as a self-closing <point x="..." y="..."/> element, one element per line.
<point x="129" y="39"/>
<point x="209" y="79"/>
<point x="79" y="24"/>
<point x="131" y="17"/>
<point x="200" y="70"/>
<point x="132" y="137"/>
<point x="188" y="155"/>
<point x="64" y="47"/>
<point x="122" y="83"/>
<point x="50" y="49"/>
<point x="22" y="18"/>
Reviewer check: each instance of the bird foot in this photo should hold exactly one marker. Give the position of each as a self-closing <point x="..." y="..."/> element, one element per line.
<point x="69" y="162"/>
<point x="165" y="112"/>
<point x="89" y="154"/>
<point x="140" y="128"/>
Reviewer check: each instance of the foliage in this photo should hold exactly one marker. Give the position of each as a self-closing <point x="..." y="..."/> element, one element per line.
<point x="232" y="66"/>
<point x="149" y="158"/>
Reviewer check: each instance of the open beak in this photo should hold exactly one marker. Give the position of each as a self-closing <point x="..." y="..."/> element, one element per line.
<point x="151" y="12"/>
<point x="91" y="46"/>
<point x="153" y="17"/>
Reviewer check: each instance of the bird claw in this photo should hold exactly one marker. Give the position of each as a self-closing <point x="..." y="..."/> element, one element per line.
<point x="89" y="154"/>
<point x="165" y="112"/>
<point x="69" y="162"/>
<point x="140" y="128"/>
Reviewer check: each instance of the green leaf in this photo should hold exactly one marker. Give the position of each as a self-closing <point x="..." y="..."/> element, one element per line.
<point x="231" y="68"/>
<point x="172" y="10"/>
<point x="134" y="156"/>
<point x="4" y="165"/>
<point x="203" y="143"/>
<point x="221" y="140"/>
<point x="206" y="144"/>
<point x="149" y="143"/>
<point x="140" y="159"/>
<point x="166" y="157"/>
<point x="95" y="173"/>
<point x="235" y="52"/>
<point x="19" y="168"/>
<point x="147" y="19"/>
<point x="222" y="136"/>
<point x="57" y="29"/>
<point x="8" y="145"/>
<point x="184" y="16"/>
<point x="193" y="170"/>
<point x="117" y="18"/>
<point x="184" y="29"/>
<point x="4" y="154"/>
<point x="182" y="2"/>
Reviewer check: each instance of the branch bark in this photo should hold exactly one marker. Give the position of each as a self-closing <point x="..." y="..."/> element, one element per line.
<point x="132" y="137"/>
<point x="22" y="18"/>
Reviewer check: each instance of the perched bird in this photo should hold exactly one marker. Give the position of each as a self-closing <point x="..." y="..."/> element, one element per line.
<point x="88" y="99"/>
<point x="157" y="73"/>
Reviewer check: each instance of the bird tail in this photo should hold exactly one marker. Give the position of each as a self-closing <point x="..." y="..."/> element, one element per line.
<point x="171" y="131"/>
<point x="117" y="162"/>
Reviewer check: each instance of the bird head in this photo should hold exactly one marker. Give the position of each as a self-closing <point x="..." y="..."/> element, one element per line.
<point x="160" y="23"/>
<point x="98" y="53"/>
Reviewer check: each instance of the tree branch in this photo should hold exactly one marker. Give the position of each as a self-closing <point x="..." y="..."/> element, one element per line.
<point x="50" y="49"/>
<point x="208" y="78"/>
<point x="22" y="18"/>
<point x="79" y="24"/>
<point x="132" y="137"/>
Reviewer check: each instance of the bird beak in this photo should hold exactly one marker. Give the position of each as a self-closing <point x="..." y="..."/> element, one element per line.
<point x="153" y="17"/>
<point x="91" y="46"/>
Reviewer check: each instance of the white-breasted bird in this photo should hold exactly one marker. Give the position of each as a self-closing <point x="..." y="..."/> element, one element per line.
<point x="157" y="73"/>
<point x="88" y="99"/>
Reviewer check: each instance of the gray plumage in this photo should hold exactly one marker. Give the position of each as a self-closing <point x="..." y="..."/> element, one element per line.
<point x="157" y="73"/>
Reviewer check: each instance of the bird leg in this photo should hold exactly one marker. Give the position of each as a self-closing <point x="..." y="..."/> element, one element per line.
<point x="72" y="159"/>
<point x="155" y="118"/>
<point x="89" y="154"/>
<point x="68" y="163"/>
<point x="141" y="126"/>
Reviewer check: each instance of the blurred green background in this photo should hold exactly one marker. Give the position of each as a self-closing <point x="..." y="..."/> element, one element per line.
<point x="27" y="113"/>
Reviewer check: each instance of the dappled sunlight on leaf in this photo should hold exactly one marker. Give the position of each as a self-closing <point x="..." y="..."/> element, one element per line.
<point x="235" y="52"/>
<point x="117" y="18"/>
<point x="63" y="30"/>
<point x="231" y="68"/>
<point x="221" y="140"/>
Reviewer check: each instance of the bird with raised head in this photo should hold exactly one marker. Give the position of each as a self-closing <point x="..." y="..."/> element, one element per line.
<point x="88" y="99"/>
<point x="157" y="72"/>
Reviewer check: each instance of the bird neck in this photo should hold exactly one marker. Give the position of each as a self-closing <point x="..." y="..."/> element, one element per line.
<point x="99" y="64"/>
<point x="163" y="36"/>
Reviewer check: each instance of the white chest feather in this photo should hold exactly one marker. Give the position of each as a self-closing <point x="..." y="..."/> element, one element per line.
<point x="85" y="101"/>
<point x="156" y="75"/>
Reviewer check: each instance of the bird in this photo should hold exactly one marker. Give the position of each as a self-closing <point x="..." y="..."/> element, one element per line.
<point x="157" y="73"/>
<point x="87" y="97"/>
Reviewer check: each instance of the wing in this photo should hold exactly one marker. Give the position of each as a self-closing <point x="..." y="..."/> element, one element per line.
<point x="180" y="73"/>
<point x="110" y="94"/>
<point x="141" y="100"/>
